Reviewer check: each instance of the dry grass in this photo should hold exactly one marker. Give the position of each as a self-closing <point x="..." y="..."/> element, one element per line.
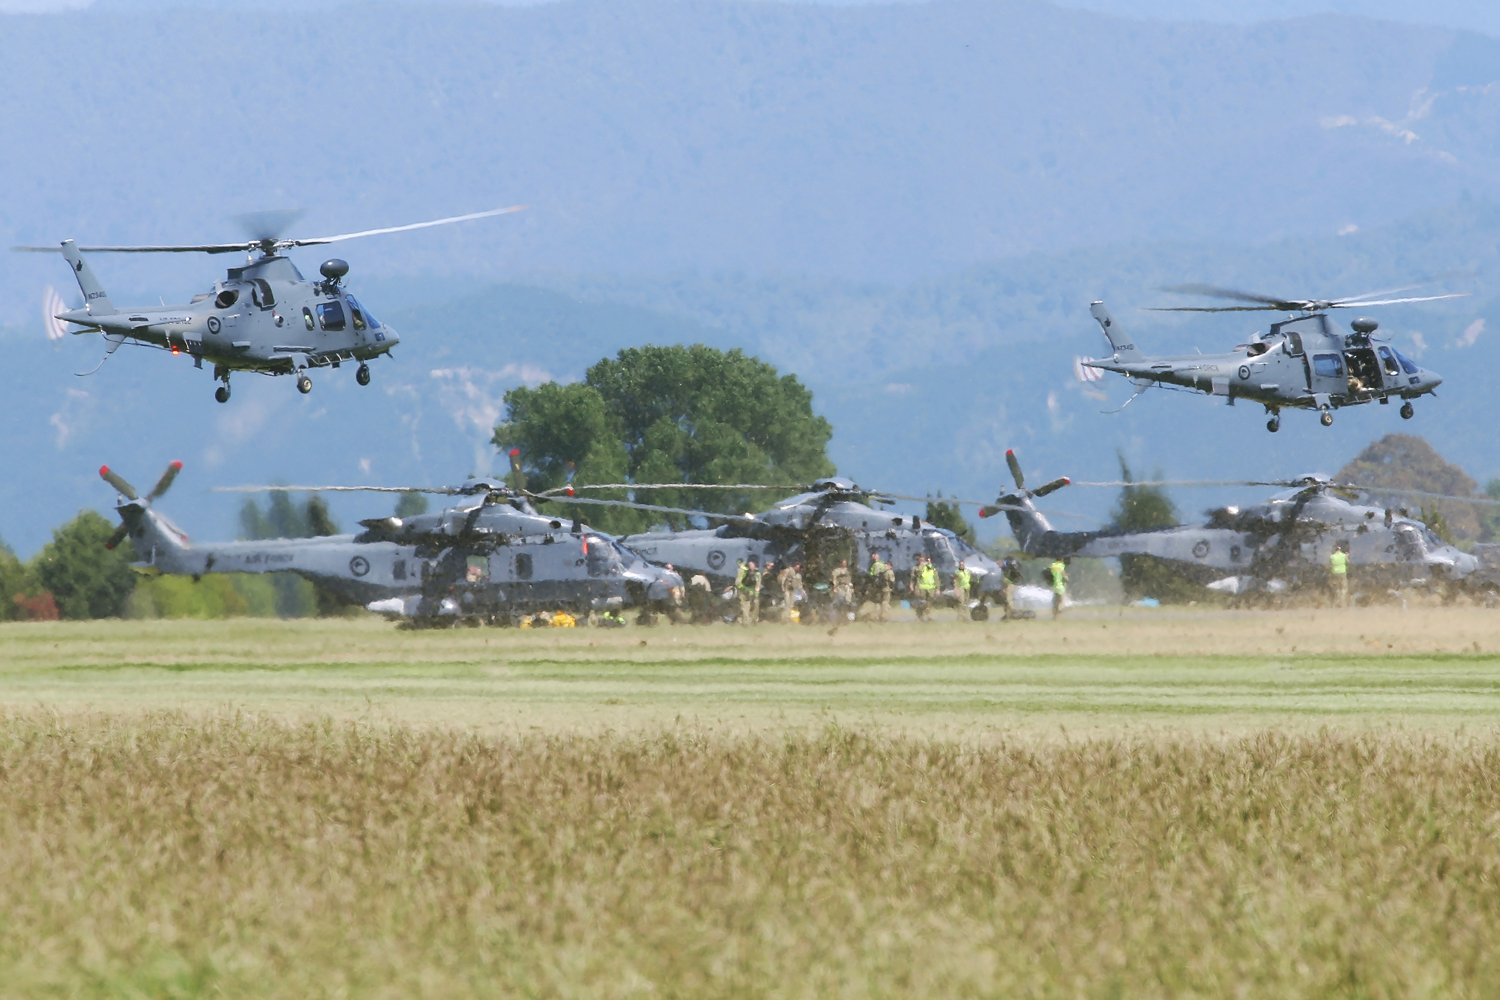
<point x="168" y="856"/>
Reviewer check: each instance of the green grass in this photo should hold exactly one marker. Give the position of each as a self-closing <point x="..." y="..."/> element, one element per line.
<point x="1159" y="804"/>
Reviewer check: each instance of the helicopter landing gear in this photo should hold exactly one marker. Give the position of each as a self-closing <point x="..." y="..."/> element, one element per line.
<point x="1274" y="424"/>
<point x="362" y="374"/>
<point x="1407" y="412"/>
<point x="1326" y="418"/>
<point x="222" y="394"/>
<point x="304" y="384"/>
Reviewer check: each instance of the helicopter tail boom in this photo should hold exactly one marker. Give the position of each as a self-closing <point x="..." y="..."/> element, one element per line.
<point x="95" y="300"/>
<point x="1119" y="341"/>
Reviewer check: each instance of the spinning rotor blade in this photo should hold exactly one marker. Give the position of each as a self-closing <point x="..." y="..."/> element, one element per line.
<point x="1386" y="491"/>
<point x="120" y="485"/>
<point x="165" y="482"/>
<point x="268" y="225"/>
<point x="269" y="244"/>
<point x="1215" y="292"/>
<point x="317" y="241"/>
<point x="1347" y="304"/>
<point x="438" y="491"/>
<point x="671" y="486"/>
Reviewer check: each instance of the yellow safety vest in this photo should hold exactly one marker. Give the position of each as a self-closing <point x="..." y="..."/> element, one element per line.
<point x="1057" y="570"/>
<point x="961" y="580"/>
<point x="927" y="578"/>
<point x="1339" y="562"/>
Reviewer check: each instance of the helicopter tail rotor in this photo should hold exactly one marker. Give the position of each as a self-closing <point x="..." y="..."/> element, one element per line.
<point x="133" y="499"/>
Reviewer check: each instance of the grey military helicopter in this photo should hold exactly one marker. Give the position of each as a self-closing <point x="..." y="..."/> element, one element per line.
<point x="490" y="558"/>
<point x="1304" y="361"/>
<point x="830" y="520"/>
<point x="263" y="317"/>
<point x="1272" y="548"/>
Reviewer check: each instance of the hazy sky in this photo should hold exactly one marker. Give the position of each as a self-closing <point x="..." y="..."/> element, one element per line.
<point x="1476" y="15"/>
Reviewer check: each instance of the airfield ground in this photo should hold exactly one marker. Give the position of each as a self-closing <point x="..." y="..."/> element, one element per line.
<point x="1123" y="803"/>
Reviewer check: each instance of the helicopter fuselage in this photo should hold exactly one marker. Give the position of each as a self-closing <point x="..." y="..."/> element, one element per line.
<point x="1305" y="362"/>
<point x="262" y="317"/>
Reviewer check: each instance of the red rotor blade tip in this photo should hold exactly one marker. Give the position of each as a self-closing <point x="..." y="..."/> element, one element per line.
<point x="103" y="471"/>
<point x="177" y="466"/>
<point x="515" y="451"/>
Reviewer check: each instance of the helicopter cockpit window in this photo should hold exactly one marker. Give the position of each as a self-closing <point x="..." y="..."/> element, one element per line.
<point x="1409" y="366"/>
<point x="1328" y="365"/>
<point x="603" y="560"/>
<point x="331" y="315"/>
<point x="1388" y="361"/>
<point x="361" y="315"/>
<point x="477" y="569"/>
<point x="227" y="298"/>
<point x="1294" y="343"/>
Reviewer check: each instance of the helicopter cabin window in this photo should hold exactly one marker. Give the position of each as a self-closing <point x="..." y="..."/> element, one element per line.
<point x="1328" y="365"/>
<point x="398" y="569"/>
<point x="1388" y="361"/>
<point x="307" y="319"/>
<point x="523" y="565"/>
<point x="602" y="558"/>
<point x="227" y="298"/>
<point x="1294" y="343"/>
<point x="331" y="315"/>
<point x="1409" y="366"/>
<point x="477" y="569"/>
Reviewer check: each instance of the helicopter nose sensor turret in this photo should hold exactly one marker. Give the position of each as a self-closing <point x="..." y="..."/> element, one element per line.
<point x="334" y="269"/>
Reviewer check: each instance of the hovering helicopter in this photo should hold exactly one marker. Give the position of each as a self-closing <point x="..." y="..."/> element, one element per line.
<point x="1274" y="547"/>
<point x="830" y="521"/>
<point x="1304" y="361"/>
<point x="263" y="317"/>
<point x="488" y="559"/>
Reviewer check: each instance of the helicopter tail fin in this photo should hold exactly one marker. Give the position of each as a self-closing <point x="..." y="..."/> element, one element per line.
<point x="95" y="300"/>
<point x="1119" y="341"/>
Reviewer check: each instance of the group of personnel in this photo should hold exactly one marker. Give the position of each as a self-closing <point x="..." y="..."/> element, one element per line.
<point x="923" y="586"/>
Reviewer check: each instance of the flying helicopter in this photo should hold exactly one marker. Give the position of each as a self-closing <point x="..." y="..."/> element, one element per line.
<point x="488" y="559"/>
<point x="263" y="317"/>
<point x="1275" y="547"/>
<point x="1304" y="361"/>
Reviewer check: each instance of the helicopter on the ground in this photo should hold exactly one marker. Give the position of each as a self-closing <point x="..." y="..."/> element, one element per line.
<point x="831" y="520"/>
<point x="489" y="559"/>
<point x="1304" y="361"/>
<point x="263" y="317"/>
<point x="1274" y="548"/>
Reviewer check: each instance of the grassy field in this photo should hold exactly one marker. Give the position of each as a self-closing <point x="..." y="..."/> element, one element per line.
<point x="1120" y="804"/>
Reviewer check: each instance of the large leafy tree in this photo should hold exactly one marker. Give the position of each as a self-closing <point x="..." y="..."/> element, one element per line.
<point x="669" y="415"/>
<point x="1141" y="508"/>
<point x="85" y="579"/>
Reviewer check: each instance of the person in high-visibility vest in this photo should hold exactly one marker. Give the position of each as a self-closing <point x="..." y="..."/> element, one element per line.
<point x="962" y="578"/>
<point x="1338" y="567"/>
<point x="1058" y="571"/>
<point x="927" y="588"/>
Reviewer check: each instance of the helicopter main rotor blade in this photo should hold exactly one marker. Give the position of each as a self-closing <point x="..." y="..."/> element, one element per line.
<point x="1346" y="304"/>
<point x="1051" y="487"/>
<point x="117" y="537"/>
<point x="439" y="491"/>
<point x="1383" y="490"/>
<point x="268" y="225"/>
<point x="319" y="240"/>
<point x="555" y="491"/>
<point x="121" y="486"/>
<point x="244" y="247"/>
<point x="1215" y="292"/>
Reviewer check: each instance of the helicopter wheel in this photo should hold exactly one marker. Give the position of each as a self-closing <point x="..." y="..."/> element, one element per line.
<point x="304" y="384"/>
<point x="1326" y="419"/>
<point x="362" y="374"/>
<point x="1407" y="412"/>
<point x="1273" y="425"/>
<point x="222" y="394"/>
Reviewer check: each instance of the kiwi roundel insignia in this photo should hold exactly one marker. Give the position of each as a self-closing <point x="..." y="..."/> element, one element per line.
<point x="716" y="559"/>
<point x="359" y="565"/>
